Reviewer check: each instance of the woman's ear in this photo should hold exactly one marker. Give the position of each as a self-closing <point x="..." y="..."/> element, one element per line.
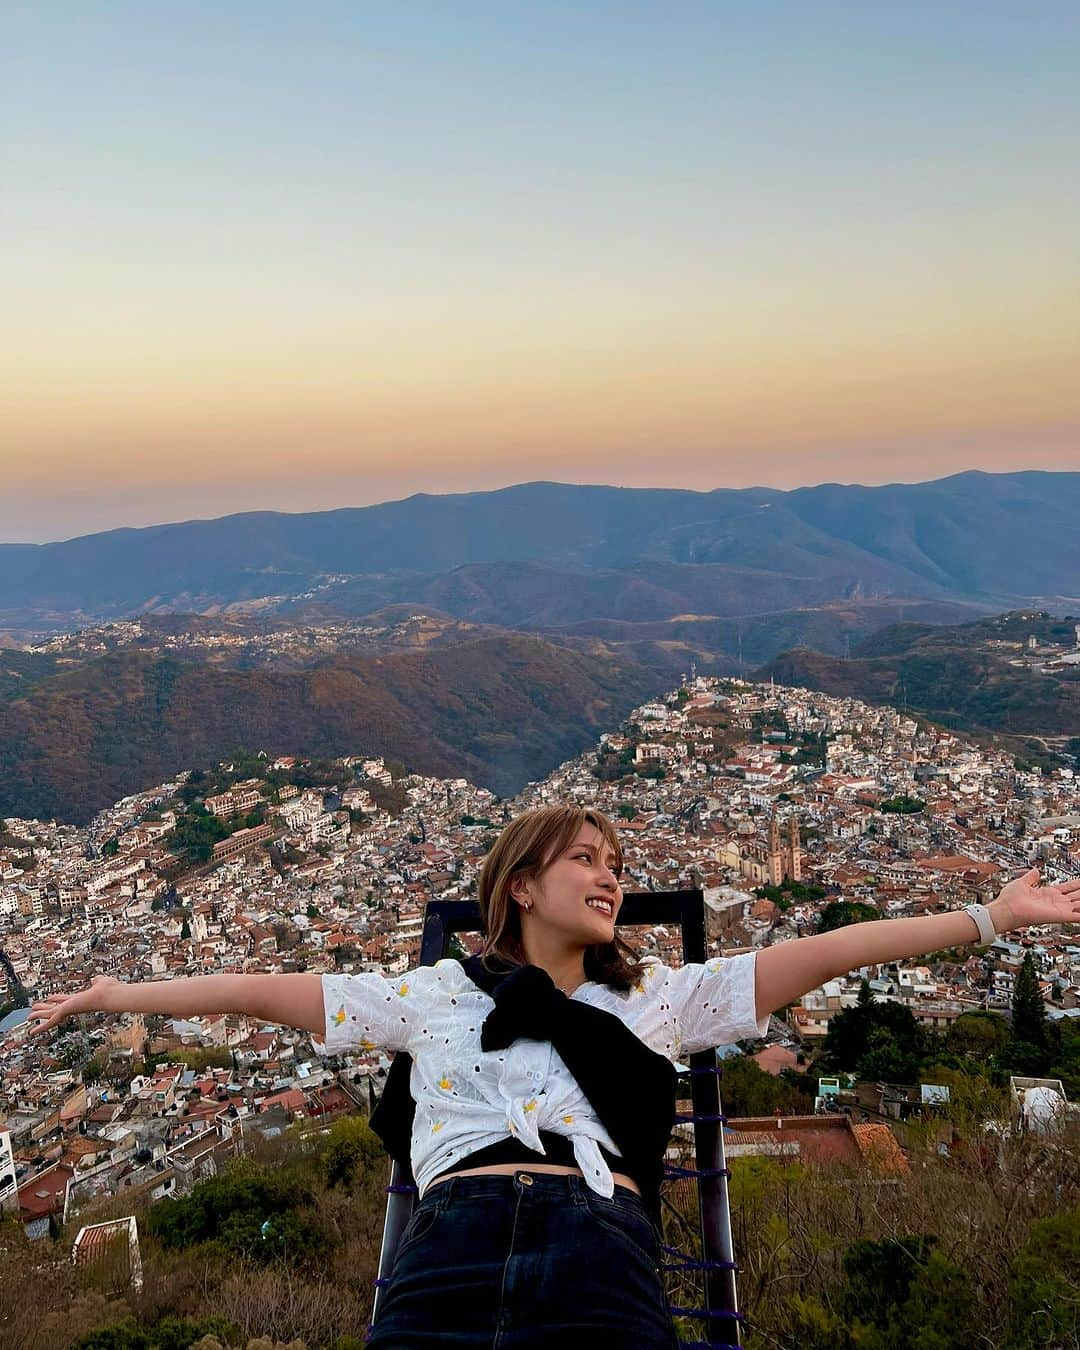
<point x="519" y="890"/>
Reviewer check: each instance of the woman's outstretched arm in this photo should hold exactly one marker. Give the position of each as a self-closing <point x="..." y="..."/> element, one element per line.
<point x="790" y="969"/>
<point x="289" y="1000"/>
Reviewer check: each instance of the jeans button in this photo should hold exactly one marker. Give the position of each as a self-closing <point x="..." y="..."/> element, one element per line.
<point x="525" y="1179"/>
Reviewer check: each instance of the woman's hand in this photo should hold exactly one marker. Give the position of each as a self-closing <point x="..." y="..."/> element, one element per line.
<point x="57" y="1008"/>
<point x="1024" y="901"/>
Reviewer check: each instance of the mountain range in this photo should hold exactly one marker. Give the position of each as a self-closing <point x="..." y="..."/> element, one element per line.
<point x="494" y="634"/>
<point x="542" y="553"/>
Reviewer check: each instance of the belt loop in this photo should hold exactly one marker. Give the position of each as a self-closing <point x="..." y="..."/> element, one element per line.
<point x="443" y="1194"/>
<point x="578" y="1187"/>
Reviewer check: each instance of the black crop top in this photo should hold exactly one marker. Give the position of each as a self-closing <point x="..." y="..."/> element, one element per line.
<point x="558" y="1149"/>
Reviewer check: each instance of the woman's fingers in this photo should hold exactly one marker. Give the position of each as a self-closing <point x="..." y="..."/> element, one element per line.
<point x="47" y="1014"/>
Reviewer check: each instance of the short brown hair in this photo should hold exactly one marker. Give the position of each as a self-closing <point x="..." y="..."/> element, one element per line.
<point x="526" y="847"/>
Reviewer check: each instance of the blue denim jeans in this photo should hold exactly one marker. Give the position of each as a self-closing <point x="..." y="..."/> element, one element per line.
<point x="511" y="1262"/>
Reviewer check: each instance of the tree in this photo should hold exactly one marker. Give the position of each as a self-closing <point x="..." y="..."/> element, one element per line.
<point x="978" y="1035"/>
<point x="747" y="1090"/>
<point x="887" y="1059"/>
<point x="842" y="912"/>
<point x="903" y="1294"/>
<point x="1043" y="1281"/>
<point x="196" y="832"/>
<point x="232" y="1210"/>
<point x="879" y="1276"/>
<point x="1066" y="1064"/>
<point x="93" y="1071"/>
<point x="850" y="1037"/>
<point x="1029" y="1022"/>
<point x="973" y="1097"/>
<point x="352" y="1147"/>
<point x="903" y="805"/>
<point x="170" y="1333"/>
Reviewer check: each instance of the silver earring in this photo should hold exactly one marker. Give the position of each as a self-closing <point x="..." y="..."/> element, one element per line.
<point x="527" y="906"/>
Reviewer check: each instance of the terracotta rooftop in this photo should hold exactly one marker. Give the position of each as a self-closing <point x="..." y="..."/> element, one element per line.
<point x="776" y="1057"/>
<point x="822" y="1139"/>
<point x="292" y="1100"/>
<point x="45" y="1194"/>
<point x="958" y="863"/>
<point x="879" y="1147"/>
<point x="102" y="1241"/>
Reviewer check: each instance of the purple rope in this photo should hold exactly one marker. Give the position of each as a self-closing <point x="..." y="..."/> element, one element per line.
<point x="671" y="1172"/>
<point x="709" y="1068"/>
<point x="709" y="1345"/>
<point x="689" y="1264"/>
<point x="400" y="1190"/>
<point x="685" y="1119"/>
<point x="709" y="1313"/>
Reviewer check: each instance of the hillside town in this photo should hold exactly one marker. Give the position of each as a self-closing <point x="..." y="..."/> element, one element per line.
<point x="234" y="638"/>
<point x="774" y="802"/>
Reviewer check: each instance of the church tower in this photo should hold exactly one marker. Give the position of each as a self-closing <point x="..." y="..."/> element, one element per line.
<point x="794" y="851"/>
<point x="776" y="852"/>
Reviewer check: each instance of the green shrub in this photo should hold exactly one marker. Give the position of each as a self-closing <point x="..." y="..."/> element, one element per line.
<point x="171" y="1333"/>
<point x="1043" y="1282"/>
<point x="246" y="1212"/>
<point x="352" y="1148"/>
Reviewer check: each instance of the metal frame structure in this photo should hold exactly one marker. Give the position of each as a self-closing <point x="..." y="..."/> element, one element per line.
<point x="686" y="909"/>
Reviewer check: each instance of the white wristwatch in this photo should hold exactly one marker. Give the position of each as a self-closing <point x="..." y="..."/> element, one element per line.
<point x="984" y="923"/>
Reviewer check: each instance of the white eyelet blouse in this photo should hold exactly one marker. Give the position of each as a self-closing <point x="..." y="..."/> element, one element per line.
<point x="467" y="1098"/>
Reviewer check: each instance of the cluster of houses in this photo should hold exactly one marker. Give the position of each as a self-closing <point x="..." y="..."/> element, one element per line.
<point x="714" y="791"/>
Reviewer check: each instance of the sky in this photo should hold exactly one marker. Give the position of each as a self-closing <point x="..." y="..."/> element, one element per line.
<point x="272" y="256"/>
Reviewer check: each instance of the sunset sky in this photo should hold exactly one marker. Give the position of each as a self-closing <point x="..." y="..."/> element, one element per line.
<point x="269" y="255"/>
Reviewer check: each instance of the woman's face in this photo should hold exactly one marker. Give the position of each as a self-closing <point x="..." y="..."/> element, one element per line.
<point x="577" y="895"/>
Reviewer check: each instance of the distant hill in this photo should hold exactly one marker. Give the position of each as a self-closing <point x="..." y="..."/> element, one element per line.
<point x="543" y="553"/>
<point x="747" y="641"/>
<point x="501" y="711"/>
<point x="81" y="728"/>
<point x="954" y="675"/>
<point x="21" y="671"/>
<point x="531" y="594"/>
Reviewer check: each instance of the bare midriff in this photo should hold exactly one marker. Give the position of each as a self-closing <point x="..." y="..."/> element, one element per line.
<point x="554" y="1169"/>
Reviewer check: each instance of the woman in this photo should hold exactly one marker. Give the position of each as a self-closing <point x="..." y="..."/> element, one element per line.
<point x="538" y="1111"/>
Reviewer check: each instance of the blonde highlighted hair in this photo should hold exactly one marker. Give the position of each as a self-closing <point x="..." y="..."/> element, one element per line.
<point x="525" y="848"/>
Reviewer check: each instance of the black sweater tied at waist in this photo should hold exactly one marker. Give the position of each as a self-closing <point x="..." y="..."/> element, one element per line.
<point x="630" y="1087"/>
